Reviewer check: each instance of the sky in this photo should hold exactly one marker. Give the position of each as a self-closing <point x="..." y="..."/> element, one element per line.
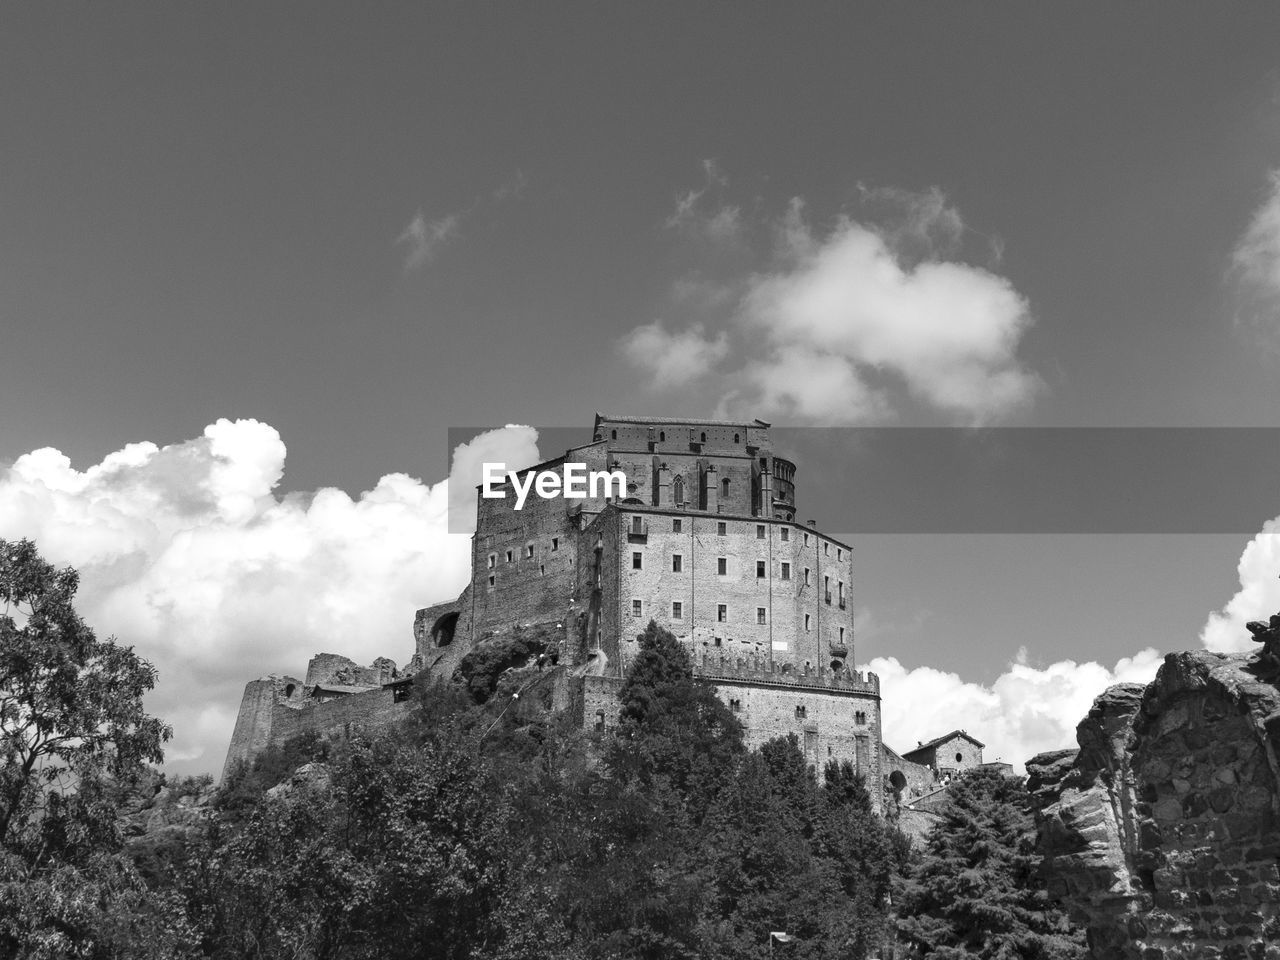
<point x="256" y="260"/>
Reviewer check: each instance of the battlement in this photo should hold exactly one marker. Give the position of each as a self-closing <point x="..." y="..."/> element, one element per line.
<point x="760" y="671"/>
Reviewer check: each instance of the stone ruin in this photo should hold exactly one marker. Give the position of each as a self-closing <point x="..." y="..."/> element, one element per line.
<point x="1161" y="834"/>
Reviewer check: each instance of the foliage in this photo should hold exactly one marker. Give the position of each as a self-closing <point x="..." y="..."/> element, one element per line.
<point x="974" y="892"/>
<point x="246" y="783"/>
<point x="483" y="666"/>
<point x="74" y="737"/>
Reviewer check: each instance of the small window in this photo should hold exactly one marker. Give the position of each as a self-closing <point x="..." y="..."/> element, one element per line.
<point x="493" y="560"/>
<point x="786" y="571"/>
<point x="662" y="436"/>
<point x="637" y="524"/>
<point x="528" y="550"/>
<point x="759" y="531"/>
<point x="716" y="641"/>
<point x="801" y="711"/>
<point x="760" y="615"/>
<point x="737" y="438"/>
<point x="735" y="706"/>
<point x="492" y="579"/>
<point x="785" y="534"/>
<point x="677" y="562"/>
<point x="599" y="719"/>
<point x="508" y="556"/>
<point x="840" y="590"/>
<point x="806" y="576"/>
<point x="637" y="608"/>
<point x="724" y="487"/>
<point x="677" y="490"/>
<point x="826" y="549"/>
<point x="959" y="757"/>
<point x="542" y="569"/>
<point x="842" y="634"/>
<point x="677" y="610"/>
<point x="722" y="612"/>
<point x="806" y="623"/>
<point x="702" y="438"/>
<point x="806" y="539"/>
<point x="839" y="554"/>
<point x="613" y="434"/>
<point x="722" y="566"/>
<point x="759" y="569"/>
<point x="675" y="525"/>
<point x="555" y="543"/>
<point x="722" y="528"/>
<point x="637" y="560"/>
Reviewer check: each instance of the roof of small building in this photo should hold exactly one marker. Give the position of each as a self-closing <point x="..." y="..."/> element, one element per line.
<point x="341" y="689"/>
<point x="936" y="741"/>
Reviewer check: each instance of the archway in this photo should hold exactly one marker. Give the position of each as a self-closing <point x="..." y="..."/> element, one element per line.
<point x="442" y="630"/>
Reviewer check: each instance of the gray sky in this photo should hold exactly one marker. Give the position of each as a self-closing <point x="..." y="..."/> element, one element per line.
<point x="363" y="226"/>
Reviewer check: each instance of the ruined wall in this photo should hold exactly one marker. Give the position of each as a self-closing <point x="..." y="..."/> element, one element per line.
<point x="1160" y="833"/>
<point x="253" y="729"/>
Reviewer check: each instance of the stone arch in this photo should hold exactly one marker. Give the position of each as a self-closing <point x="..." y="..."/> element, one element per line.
<point x="288" y="690"/>
<point x="898" y="780"/>
<point x="443" y="629"/>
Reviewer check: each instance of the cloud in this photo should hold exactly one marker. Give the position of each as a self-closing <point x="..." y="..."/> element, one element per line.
<point x="1025" y="711"/>
<point x="424" y="239"/>
<point x="676" y="358"/>
<point x="845" y="324"/>
<point x="190" y="554"/>
<point x="1257" y="599"/>
<point x="1255" y="264"/>
<point x="698" y="217"/>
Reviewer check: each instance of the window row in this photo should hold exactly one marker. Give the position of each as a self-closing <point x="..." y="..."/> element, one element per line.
<point x="528" y="552"/>
<point x="784" y="533"/>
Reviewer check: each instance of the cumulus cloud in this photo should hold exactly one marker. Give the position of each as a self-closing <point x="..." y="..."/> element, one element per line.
<point x="190" y="554"/>
<point x="872" y="312"/>
<point x="675" y="358"/>
<point x="1025" y="711"/>
<point x="1257" y="599"/>
<point x="423" y="239"/>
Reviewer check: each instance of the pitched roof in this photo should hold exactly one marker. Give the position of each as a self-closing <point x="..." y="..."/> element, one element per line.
<point x="943" y="739"/>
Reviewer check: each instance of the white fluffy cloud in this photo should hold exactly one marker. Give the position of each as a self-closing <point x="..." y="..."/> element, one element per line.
<point x="1026" y="711"/>
<point x="1257" y="599"/>
<point x="189" y="554"/>
<point x="830" y="312"/>
<point x="1256" y="256"/>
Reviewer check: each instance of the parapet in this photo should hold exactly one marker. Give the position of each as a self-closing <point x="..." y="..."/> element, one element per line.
<point x="755" y="669"/>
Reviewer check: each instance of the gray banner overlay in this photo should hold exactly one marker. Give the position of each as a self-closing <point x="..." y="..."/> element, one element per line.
<point x="1017" y="479"/>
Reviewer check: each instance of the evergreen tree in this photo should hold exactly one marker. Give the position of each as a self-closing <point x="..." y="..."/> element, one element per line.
<point x="974" y="892"/>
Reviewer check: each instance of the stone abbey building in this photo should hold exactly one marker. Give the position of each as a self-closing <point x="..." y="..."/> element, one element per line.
<point x="705" y="541"/>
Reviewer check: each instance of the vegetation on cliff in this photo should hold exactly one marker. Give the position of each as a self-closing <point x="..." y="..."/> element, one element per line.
<point x="488" y="826"/>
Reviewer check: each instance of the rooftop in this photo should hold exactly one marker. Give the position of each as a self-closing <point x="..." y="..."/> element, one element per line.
<point x="681" y="421"/>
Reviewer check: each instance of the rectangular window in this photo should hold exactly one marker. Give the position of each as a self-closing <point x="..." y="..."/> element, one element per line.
<point x="759" y="531"/>
<point x="735" y="705"/>
<point x="842" y="634"/>
<point x="760" y="615"/>
<point x="785" y="533"/>
<point x="716" y="642"/>
<point x="492" y="579"/>
<point x="677" y="562"/>
<point x="555" y="543"/>
<point x="722" y="566"/>
<point x="722" y="528"/>
<point x="493" y="560"/>
<point x="806" y="623"/>
<point x="637" y="608"/>
<point x="806" y="539"/>
<point x="759" y="569"/>
<point x="786" y="571"/>
<point x="826" y="548"/>
<point x="801" y="712"/>
<point x="806" y="576"/>
<point x="542" y="569"/>
<point x="528" y="550"/>
<point x="839" y="554"/>
<point x="675" y="525"/>
<point x="677" y="610"/>
<point x="840" y="591"/>
<point x="722" y="613"/>
<point x="637" y="560"/>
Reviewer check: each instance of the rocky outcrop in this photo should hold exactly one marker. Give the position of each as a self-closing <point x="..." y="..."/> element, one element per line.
<point x="1161" y="833"/>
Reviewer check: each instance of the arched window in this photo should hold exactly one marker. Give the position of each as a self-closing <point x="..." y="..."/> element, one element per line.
<point x="677" y="489"/>
<point x="288" y="690"/>
<point x="724" y="487"/>
<point x="662" y="436"/>
<point x="735" y="438"/>
<point x="613" y="434"/>
<point x="704" y="438"/>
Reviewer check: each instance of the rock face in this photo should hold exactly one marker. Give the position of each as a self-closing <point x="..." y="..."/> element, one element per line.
<point x="1161" y="833"/>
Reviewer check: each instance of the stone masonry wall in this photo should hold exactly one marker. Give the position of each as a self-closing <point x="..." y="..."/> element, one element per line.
<point x="1161" y="833"/>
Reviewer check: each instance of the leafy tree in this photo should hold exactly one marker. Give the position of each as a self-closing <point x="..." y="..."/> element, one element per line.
<point x="974" y="892"/>
<point x="73" y="735"/>
<point x="676" y="735"/>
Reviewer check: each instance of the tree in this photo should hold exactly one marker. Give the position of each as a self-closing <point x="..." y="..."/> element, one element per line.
<point x="674" y="729"/>
<point x="974" y="892"/>
<point x="73" y="736"/>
